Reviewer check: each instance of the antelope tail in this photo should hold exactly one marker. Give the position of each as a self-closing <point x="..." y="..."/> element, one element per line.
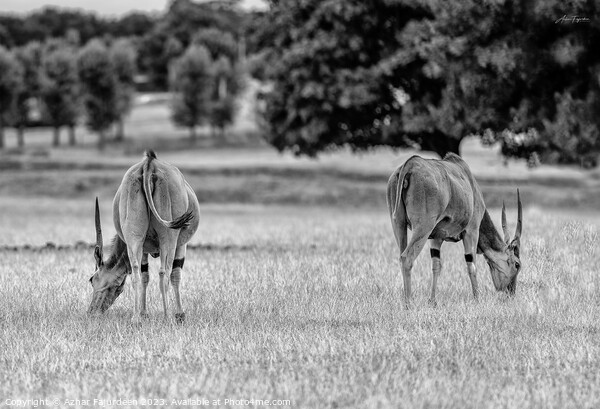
<point x="180" y="222"/>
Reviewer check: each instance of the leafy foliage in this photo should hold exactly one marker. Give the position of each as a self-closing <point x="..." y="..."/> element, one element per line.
<point x="52" y="22"/>
<point x="402" y="73"/>
<point x="191" y="83"/>
<point x="99" y="82"/>
<point x="29" y="57"/>
<point x="541" y="75"/>
<point x="60" y="87"/>
<point x="11" y="83"/>
<point x="335" y="74"/>
<point x="218" y="42"/>
<point x="123" y="56"/>
<point x="176" y="30"/>
<point x="226" y="85"/>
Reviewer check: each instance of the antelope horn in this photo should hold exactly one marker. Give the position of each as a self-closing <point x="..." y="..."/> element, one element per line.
<point x="98" y="228"/>
<point x="504" y="228"/>
<point x="519" y="218"/>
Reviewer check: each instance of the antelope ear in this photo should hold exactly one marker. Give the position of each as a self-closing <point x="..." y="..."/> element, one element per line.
<point x="98" y="256"/>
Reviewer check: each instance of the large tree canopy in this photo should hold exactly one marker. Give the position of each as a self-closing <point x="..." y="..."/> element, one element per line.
<point x="333" y="80"/>
<point x="427" y="74"/>
<point x="526" y="72"/>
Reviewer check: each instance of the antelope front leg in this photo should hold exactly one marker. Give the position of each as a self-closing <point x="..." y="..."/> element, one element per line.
<point x="436" y="267"/>
<point x="470" y="245"/>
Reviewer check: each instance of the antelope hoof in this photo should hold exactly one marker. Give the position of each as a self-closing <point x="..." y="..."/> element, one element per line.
<point x="180" y="317"/>
<point x="144" y="315"/>
<point x="433" y="302"/>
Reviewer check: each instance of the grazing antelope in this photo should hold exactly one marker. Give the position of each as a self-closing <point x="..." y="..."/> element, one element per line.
<point x="151" y="194"/>
<point x="440" y="200"/>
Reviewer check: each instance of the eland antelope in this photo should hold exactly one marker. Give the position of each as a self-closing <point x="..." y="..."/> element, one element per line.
<point x="440" y="200"/>
<point x="155" y="211"/>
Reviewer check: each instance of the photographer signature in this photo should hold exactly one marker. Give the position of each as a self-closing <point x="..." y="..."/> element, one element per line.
<point x="572" y="19"/>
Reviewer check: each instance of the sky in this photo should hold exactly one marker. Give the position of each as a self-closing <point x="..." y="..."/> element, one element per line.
<point x="102" y="7"/>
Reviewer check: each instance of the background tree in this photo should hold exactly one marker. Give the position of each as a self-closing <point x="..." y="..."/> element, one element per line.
<point x="134" y="24"/>
<point x="11" y="82"/>
<point x="175" y="31"/>
<point x="123" y="57"/>
<point x="30" y="58"/>
<point x="515" y="68"/>
<point x="99" y="85"/>
<point x="60" y="91"/>
<point x="512" y="68"/>
<point x="334" y="81"/>
<point x="227" y="75"/>
<point x="227" y="83"/>
<point x="191" y="84"/>
<point x="218" y="42"/>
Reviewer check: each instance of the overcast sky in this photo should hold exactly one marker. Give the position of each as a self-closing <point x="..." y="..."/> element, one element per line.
<point x="104" y="7"/>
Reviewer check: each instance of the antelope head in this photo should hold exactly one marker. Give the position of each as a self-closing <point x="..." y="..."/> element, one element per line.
<point x="506" y="266"/>
<point x="109" y="278"/>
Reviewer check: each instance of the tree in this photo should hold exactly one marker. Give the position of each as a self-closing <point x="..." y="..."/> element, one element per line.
<point x="227" y="83"/>
<point x="334" y="79"/>
<point x="99" y="85"/>
<point x="11" y="83"/>
<point x="219" y="43"/>
<point x="520" y="70"/>
<point x="30" y="57"/>
<point x="123" y="57"/>
<point x="191" y="84"/>
<point x="432" y="74"/>
<point x="60" y="91"/>
<point x="227" y="78"/>
<point x="175" y="31"/>
<point x="132" y="24"/>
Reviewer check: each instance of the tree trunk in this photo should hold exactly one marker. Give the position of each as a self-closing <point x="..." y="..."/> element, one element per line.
<point x="21" y="136"/>
<point x="72" y="141"/>
<point x="56" y="136"/>
<point x="1" y="134"/>
<point x="101" y="139"/>
<point x="120" y="135"/>
<point x="440" y="143"/>
<point x="193" y="133"/>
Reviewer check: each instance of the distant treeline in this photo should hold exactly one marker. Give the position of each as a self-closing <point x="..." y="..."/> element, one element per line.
<point x="157" y="38"/>
<point x="59" y="67"/>
<point x="51" y="22"/>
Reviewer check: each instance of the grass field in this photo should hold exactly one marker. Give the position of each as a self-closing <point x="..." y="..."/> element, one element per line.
<point x="300" y="296"/>
<point x="311" y="311"/>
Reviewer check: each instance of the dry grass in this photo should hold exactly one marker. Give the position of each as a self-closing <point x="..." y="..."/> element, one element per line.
<point x="313" y="313"/>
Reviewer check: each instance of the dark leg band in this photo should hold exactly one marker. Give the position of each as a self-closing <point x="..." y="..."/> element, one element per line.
<point x="178" y="263"/>
<point x="144" y="268"/>
<point x="469" y="258"/>
<point x="434" y="253"/>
